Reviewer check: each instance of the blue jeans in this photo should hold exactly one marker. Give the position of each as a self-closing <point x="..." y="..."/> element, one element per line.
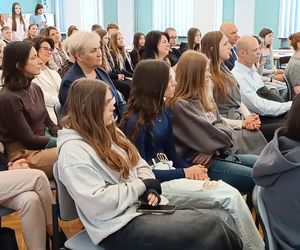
<point x="222" y="200"/>
<point x="236" y="175"/>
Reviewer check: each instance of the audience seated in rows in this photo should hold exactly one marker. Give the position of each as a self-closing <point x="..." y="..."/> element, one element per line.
<point x="85" y="48"/>
<point x="202" y="137"/>
<point x="49" y="80"/>
<point x="59" y="55"/>
<point x="255" y="95"/>
<point x="106" y="177"/>
<point x="226" y="94"/>
<point x="26" y="128"/>
<point x="147" y="123"/>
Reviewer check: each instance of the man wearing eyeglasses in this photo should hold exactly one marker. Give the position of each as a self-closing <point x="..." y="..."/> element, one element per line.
<point x="174" y="53"/>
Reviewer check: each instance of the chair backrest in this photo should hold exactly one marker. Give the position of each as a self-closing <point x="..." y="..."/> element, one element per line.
<point x="262" y="214"/>
<point x="283" y="60"/>
<point x="289" y="88"/>
<point x="67" y="209"/>
<point x="57" y="111"/>
<point x="4" y="211"/>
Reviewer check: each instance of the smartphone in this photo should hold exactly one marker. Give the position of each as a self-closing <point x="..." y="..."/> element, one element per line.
<point x="160" y="209"/>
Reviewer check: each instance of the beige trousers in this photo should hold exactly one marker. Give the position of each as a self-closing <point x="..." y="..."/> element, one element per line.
<point x="40" y="159"/>
<point x="28" y="191"/>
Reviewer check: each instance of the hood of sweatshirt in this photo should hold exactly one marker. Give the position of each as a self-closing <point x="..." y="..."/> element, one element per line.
<point x="65" y="135"/>
<point x="280" y="155"/>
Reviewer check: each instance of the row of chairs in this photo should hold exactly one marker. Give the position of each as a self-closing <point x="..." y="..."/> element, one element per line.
<point x="65" y="209"/>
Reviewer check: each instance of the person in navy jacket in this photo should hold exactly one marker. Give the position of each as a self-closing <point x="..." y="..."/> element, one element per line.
<point x="85" y="48"/>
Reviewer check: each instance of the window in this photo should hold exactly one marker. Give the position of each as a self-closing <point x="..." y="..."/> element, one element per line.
<point x="289" y="19"/>
<point x="81" y="13"/>
<point x="172" y="13"/>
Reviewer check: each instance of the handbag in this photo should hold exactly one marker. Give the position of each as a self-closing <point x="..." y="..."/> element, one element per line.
<point x="161" y="162"/>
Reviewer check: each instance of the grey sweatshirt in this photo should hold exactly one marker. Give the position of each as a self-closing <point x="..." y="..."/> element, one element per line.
<point x="104" y="200"/>
<point x="278" y="171"/>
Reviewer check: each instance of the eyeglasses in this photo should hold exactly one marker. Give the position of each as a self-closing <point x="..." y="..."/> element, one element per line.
<point x="173" y="37"/>
<point x="47" y="49"/>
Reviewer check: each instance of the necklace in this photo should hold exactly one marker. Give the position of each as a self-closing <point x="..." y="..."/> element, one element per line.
<point x="32" y="101"/>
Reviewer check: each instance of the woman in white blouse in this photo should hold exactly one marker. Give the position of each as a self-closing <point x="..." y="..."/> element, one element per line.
<point x="49" y="80"/>
<point x="17" y="22"/>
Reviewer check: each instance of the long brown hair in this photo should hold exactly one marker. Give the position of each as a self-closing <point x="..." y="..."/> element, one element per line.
<point x="13" y="16"/>
<point x="136" y="44"/>
<point x="191" y="39"/>
<point x="146" y="101"/>
<point x="107" y="58"/>
<point x="190" y="77"/>
<point x="220" y="75"/>
<point x="86" y="104"/>
<point x="120" y="53"/>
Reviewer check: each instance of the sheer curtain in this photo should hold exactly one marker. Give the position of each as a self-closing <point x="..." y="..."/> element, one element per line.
<point x="289" y="18"/>
<point x="81" y="13"/>
<point x="172" y="13"/>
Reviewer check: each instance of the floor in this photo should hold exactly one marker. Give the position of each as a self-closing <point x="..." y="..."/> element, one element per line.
<point x="13" y="221"/>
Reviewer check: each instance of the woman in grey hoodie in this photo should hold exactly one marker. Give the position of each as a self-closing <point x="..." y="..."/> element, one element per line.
<point x="277" y="170"/>
<point x="106" y="177"/>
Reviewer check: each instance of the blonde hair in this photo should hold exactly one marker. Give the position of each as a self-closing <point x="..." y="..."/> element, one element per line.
<point x="190" y="77"/>
<point x="120" y="53"/>
<point x="82" y="41"/>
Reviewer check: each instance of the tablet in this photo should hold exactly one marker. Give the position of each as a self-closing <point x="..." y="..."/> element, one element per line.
<point x="160" y="209"/>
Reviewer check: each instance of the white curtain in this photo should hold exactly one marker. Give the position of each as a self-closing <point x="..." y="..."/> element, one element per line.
<point x="172" y="13"/>
<point x="289" y="18"/>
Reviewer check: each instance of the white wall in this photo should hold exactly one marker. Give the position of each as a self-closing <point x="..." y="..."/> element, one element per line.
<point x="126" y="20"/>
<point x="82" y="13"/>
<point x="207" y="15"/>
<point x="244" y="16"/>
